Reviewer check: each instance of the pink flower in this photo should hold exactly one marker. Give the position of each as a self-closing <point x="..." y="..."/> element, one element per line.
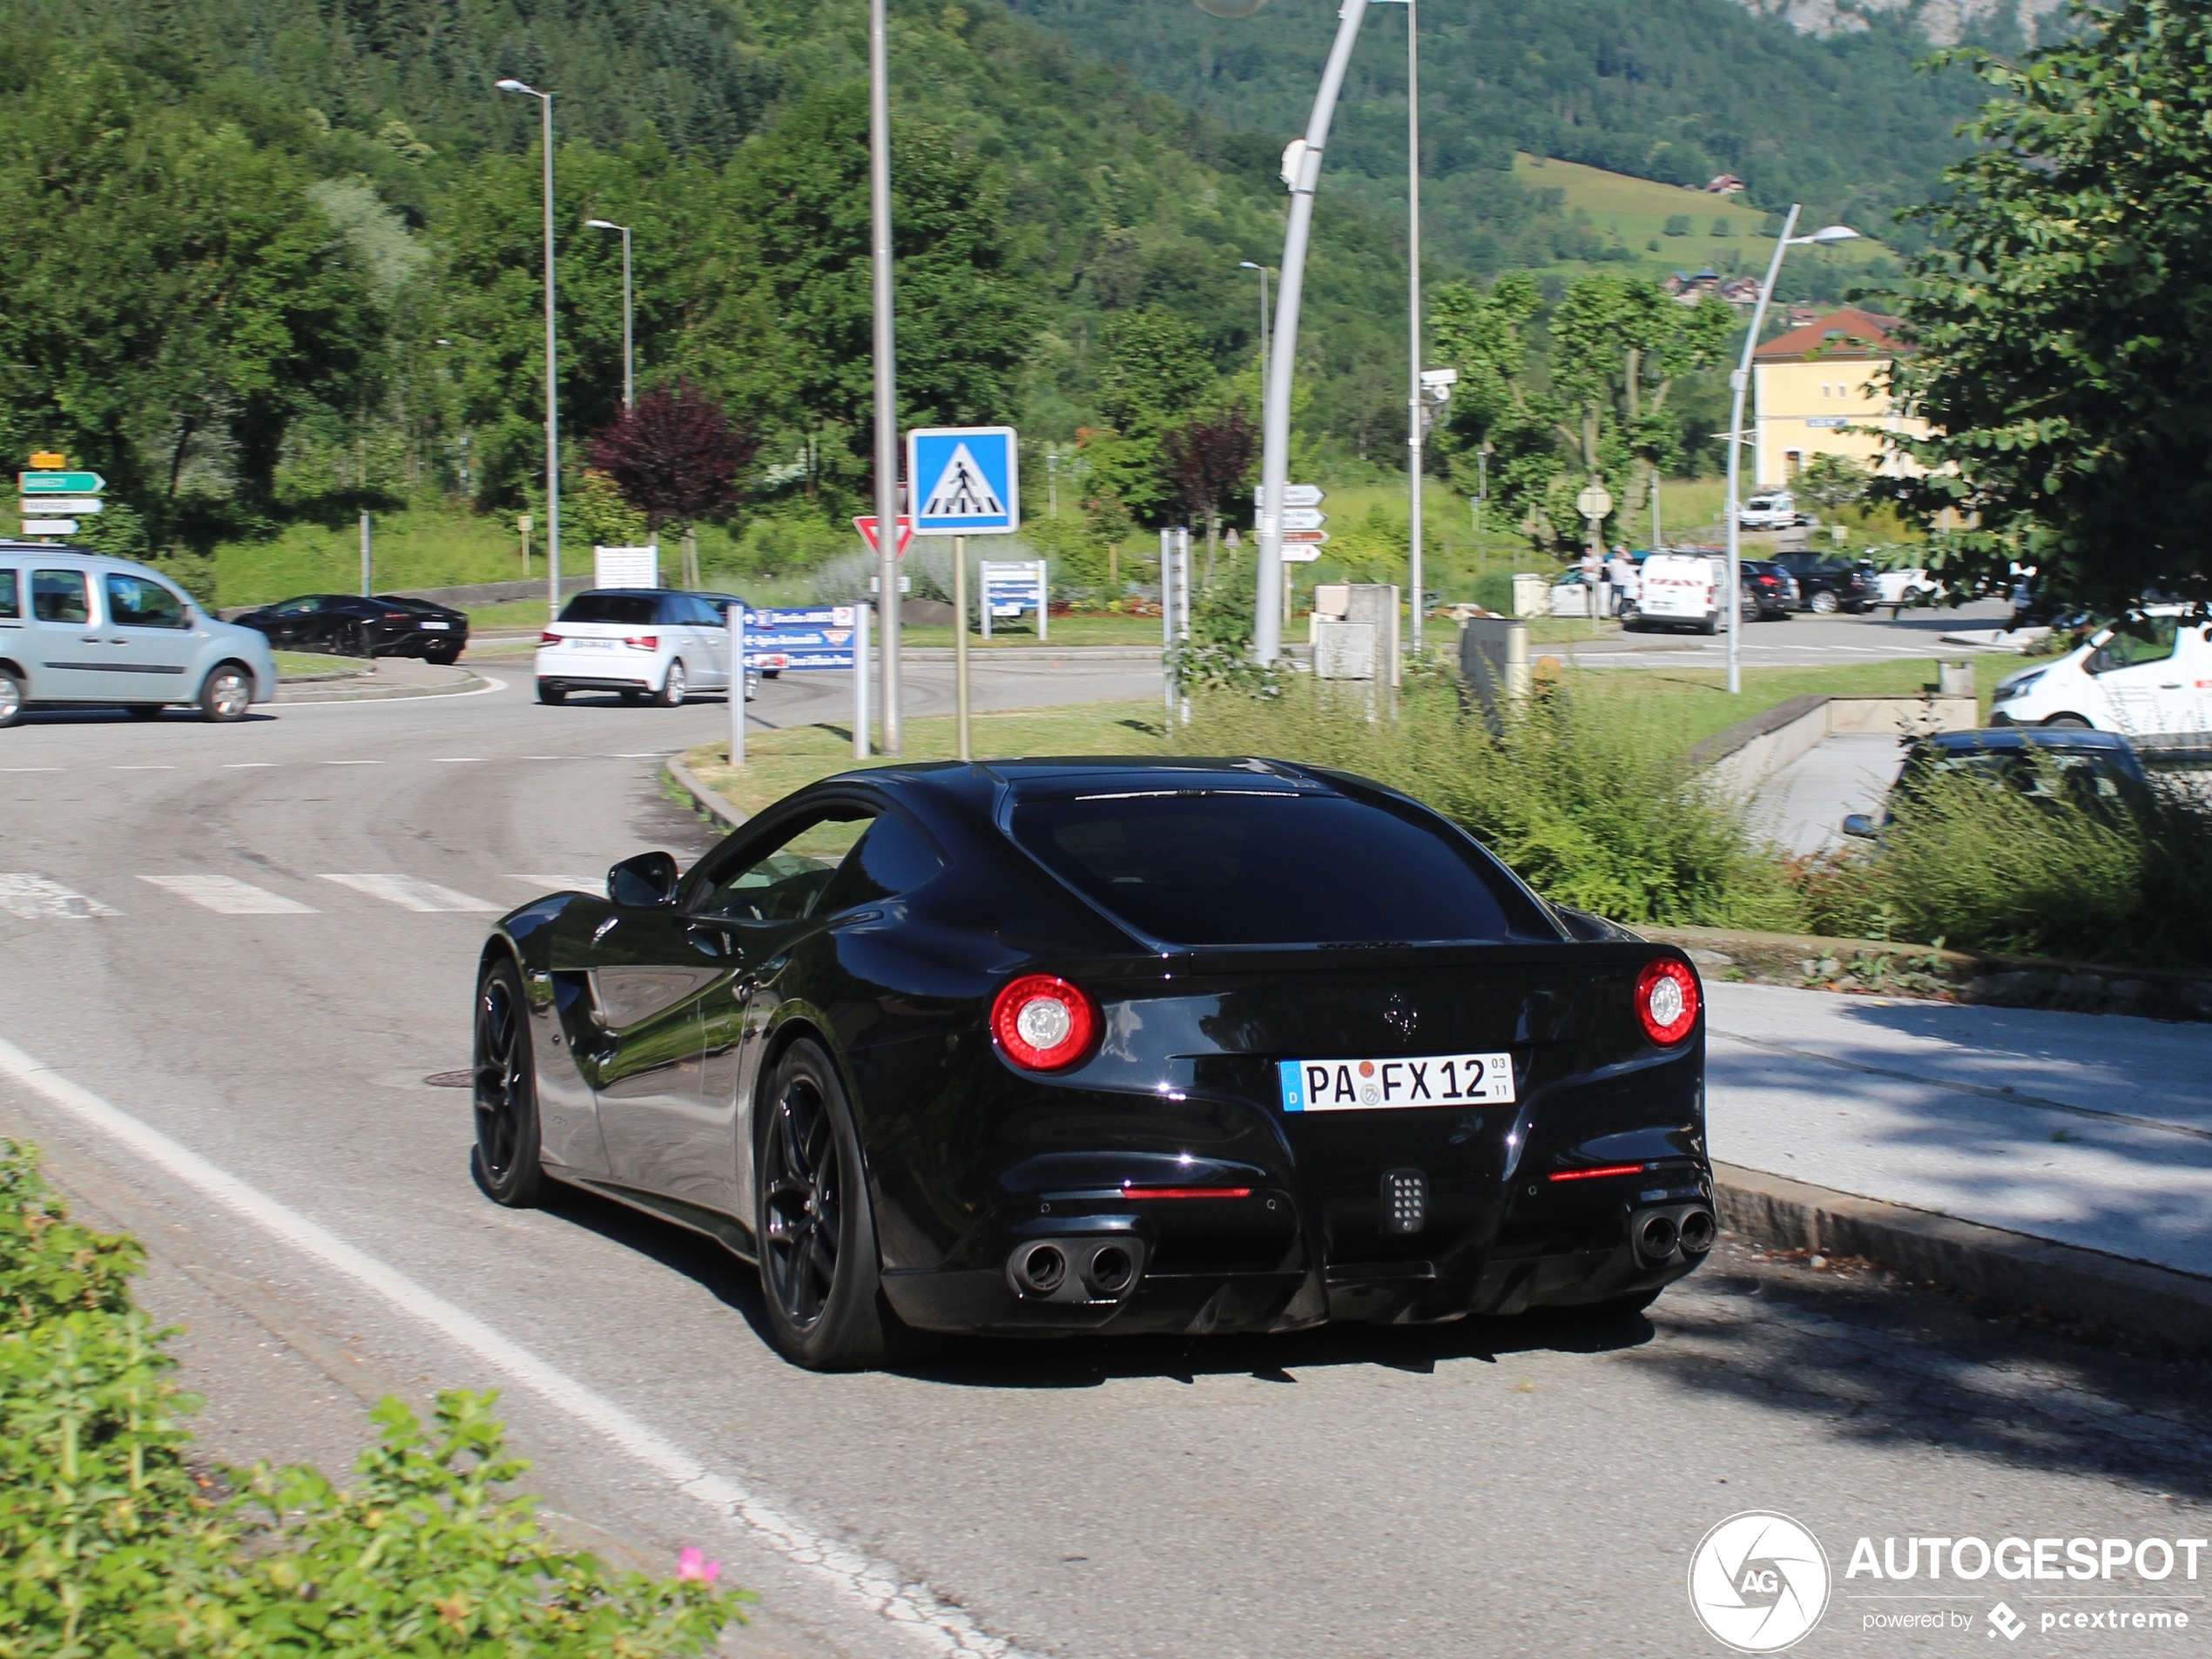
<point x="691" y="1563"/>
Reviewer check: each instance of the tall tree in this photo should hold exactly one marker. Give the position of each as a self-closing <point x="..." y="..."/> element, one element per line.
<point x="2062" y="340"/>
<point x="1206" y="460"/>
<point x="676" y="457"/>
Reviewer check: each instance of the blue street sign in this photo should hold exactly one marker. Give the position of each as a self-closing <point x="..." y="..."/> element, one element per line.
<point x="794" y="638"/>
<point x="960" y="481"/>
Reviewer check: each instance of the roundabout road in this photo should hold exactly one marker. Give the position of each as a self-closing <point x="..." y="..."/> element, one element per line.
<point x="257" y="941"/>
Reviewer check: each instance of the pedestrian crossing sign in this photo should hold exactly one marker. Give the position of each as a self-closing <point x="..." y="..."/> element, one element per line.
<point x="962" y="480"/>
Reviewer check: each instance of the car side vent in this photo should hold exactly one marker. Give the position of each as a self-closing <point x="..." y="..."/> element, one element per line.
<point x="1404" y="1202"/>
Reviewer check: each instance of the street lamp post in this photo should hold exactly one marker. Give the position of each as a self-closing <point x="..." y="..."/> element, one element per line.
<point x="1415" y="436"/>
<point x="886" y="372"/>
<point x="1738" y="382"/>
<point x="1302" y="173"/>
<point x="1247" y="265"/>
<point x="629" y="361"/>
<point x="552" y="366"/>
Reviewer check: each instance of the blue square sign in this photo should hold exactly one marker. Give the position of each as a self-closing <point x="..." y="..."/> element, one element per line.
<point x="960" y="481"/>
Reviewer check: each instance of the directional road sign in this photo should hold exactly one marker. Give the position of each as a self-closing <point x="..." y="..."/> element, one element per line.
<point x="50" y="527"/>
<point x="1305" y="538"/>
<point x="1303" y="518"/>
<point x="1293" y="494"/>
<point x="960" y="481"/>
<point x="61" y="483"/>
<point x="867" y="527"/>
<point x="80" y="505"/>
<point x="1300" y="552"/>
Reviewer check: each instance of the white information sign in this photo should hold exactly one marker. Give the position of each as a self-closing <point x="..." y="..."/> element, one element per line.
<point x="625" y="567"/>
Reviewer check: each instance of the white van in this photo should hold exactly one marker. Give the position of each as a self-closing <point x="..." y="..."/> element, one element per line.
<point x="1777" y="510"/>
<point x="1682" y="590"/>
<point x="2154" y="682"/>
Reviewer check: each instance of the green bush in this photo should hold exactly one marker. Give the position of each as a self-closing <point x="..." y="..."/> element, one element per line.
<point x="1593" y="805"/>
<point x="1988" y="866"/>
<point x="112" y="1544"/>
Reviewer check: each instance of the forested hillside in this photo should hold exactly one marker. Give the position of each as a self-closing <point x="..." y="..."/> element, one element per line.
<point x="1677" y="91"/>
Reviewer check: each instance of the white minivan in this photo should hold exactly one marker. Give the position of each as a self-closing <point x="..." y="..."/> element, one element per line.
<point x="640" y="643"/>
<point x="1682" y="590"/>
<point x="2153" y="684"/>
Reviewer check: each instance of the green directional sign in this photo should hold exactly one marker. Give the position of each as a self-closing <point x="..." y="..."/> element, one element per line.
<point x="61" y="483"/>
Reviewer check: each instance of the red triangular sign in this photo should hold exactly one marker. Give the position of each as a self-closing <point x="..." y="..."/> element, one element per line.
<point x="867" y="527"/>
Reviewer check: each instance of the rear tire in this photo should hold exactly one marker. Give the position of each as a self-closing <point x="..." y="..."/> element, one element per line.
<point x="443" y="658"/>
<point x="674" y="686"/>
<point x="820" y="1278"/>
<point x="226" y="694"/>
<point x="1710" y="625"/>
<point x="1823" y="603"/>
<point x="552" y="692"/>
<point x="505" y="1158"/>
<point x="11" y="698"/>
<point x="2068" y="722"/>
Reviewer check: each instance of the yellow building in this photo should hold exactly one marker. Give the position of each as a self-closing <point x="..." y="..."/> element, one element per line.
<point x="1814" y="385"/>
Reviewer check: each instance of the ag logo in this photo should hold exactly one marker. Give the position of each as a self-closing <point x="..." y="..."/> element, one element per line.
<point x="1758" y="1582"/>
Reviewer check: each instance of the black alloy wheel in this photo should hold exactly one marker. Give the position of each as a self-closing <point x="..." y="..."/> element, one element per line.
<point x="818" y="1273"/>
<point x="506" y="1155"/>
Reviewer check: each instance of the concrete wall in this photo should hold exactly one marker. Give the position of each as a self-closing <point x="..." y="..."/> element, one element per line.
<point x="1737" y="761"/>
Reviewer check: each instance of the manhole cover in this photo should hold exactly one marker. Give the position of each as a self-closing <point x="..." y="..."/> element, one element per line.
<point x="451" y="1079"/>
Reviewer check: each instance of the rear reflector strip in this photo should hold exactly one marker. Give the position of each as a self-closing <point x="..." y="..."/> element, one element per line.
<point x="1601" y="1169"/>
<point x="1186" y="1193"/>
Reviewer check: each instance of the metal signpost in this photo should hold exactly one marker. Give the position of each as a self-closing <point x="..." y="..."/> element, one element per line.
<point x="735" y="615"/>
<point x="1595" y="505"/>
<point x="53" y="500"/>
<point x="865" y="525"/>
<point x="964" y="481"/>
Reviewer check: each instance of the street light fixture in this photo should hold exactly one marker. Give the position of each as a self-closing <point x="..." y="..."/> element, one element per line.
<point x="886" y="385"/>
<point x="1737" y="383"/>
<point x="552" y="365"/>
<point x="1248" y="265"/>
<point x="629" y="363"/>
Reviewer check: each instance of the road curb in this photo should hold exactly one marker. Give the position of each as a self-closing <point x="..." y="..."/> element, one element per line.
<point x="2158" y="1307"/>
<point x="708" y="800"/>
<point x="314" y="693"/>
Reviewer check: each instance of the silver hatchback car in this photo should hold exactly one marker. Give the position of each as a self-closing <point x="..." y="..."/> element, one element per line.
<point x="87" y="630"/>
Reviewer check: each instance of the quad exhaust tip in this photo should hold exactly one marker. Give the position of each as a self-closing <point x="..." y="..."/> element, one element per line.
<point x="1697" y="1232"/>
<point x="1076" y="1270"/>
<point x="1655" y="1236"/>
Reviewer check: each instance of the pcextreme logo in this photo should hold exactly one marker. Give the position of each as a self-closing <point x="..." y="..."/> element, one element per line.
<point x="1758" y="1582"/>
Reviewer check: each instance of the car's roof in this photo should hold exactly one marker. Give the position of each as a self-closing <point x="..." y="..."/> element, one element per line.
<point x="2039" y="737"/>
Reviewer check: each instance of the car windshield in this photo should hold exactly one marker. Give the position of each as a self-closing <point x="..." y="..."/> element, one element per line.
<point x="627" y="609"/>
<point x="1263" y="868"/>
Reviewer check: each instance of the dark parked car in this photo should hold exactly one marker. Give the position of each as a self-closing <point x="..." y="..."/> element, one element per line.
<point x="2051" y="765"/>
<point x="349" y="625"/>
<point x="1827" y="585"/>
<point x="1073" y="1046"/>
<point x="1768" y="590"/>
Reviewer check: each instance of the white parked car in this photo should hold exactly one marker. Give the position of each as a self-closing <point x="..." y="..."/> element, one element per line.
<point x="2158" y="685"/>
<point x="1910" y="587"/>
<point x="1777" y="510"/>
<point x="641" y="642"/>
<point x="1682" y="590"/>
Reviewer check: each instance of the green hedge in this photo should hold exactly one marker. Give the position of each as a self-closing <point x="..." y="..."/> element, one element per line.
<point x="114" y="1543"/>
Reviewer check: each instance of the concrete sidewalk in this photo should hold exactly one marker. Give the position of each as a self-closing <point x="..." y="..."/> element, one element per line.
<point x="2088" y="1131"/>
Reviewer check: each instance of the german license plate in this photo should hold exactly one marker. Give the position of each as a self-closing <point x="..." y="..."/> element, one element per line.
<point x="1379" y="1085"/>
<point x="439" y="626"/>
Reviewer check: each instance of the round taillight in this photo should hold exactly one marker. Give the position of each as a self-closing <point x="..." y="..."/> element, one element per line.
<point x="1042" y="1022"/>
<point x="1667" y="1000"/>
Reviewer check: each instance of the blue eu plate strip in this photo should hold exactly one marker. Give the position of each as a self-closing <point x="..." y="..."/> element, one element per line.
<point x="1294" y="1085"/>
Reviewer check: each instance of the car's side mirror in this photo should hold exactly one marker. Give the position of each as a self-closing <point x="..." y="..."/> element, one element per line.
<point x="643" y="882"/>
<point x="1861" y="824"/>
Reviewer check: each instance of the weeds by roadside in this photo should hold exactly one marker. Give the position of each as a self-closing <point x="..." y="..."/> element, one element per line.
<point x="112" y="1543"/>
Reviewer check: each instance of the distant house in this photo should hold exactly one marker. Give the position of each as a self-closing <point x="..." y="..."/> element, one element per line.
<point x="1726" y="183"/>
<point x="1821" y="390"/>
<point x="1689" y="289"/>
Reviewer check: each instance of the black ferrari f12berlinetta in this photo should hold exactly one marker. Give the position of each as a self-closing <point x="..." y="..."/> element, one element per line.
<point x="1045" y="1046"/>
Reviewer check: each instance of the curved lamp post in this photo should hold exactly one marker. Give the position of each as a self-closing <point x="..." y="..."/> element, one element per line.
<point x="552" y="363"/>
<point x="629" y="363"/>
<point x="1738" y="382"/>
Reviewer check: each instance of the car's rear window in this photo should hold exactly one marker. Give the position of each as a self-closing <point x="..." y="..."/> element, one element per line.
<point x="628" y="608"/>
<point x="1263" y="869"/>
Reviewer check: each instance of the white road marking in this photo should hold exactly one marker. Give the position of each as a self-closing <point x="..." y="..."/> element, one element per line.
<point x="242" y="766"/>
<point x="350" y="763"/>
<point x="142" y="769"/>
<point x="877" y="1585"/>
<point x="29" y="768"/>
<point x="229" y="897"/>
<point x="558" y="883"/>
<point x="457" y="760"/>
<point x="413" y="893"/>
<point x="33" y="897"/>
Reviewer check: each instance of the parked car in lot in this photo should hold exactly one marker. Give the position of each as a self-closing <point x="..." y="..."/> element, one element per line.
<point x="1681" y="591"/>
<point x="352" y="624"/>
<point x="1776" y="510"/>
<point x="2047" y="764"/>
<point x="639" y="643"/>
<point x="1769" y="591"/>
<point x="1827" y="584"/>
<point x="1037" y="1048"/>
<point x="2152" y="677"/>
<point x="78" y="628"/>
<point x="1912" y="586"/>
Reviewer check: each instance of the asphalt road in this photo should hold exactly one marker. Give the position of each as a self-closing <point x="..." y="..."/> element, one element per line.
<point x="229" y="959"/>
<point x="1801" y="640"/>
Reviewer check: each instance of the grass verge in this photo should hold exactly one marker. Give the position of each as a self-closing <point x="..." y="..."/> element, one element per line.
<point x="301" y="664"/>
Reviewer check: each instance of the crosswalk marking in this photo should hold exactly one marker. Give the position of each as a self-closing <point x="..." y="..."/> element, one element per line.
<point x="33" y="897"/>
<point x="558" y="883"/>
<point x="227" y="896"/>
<point x="412" y="893"/>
